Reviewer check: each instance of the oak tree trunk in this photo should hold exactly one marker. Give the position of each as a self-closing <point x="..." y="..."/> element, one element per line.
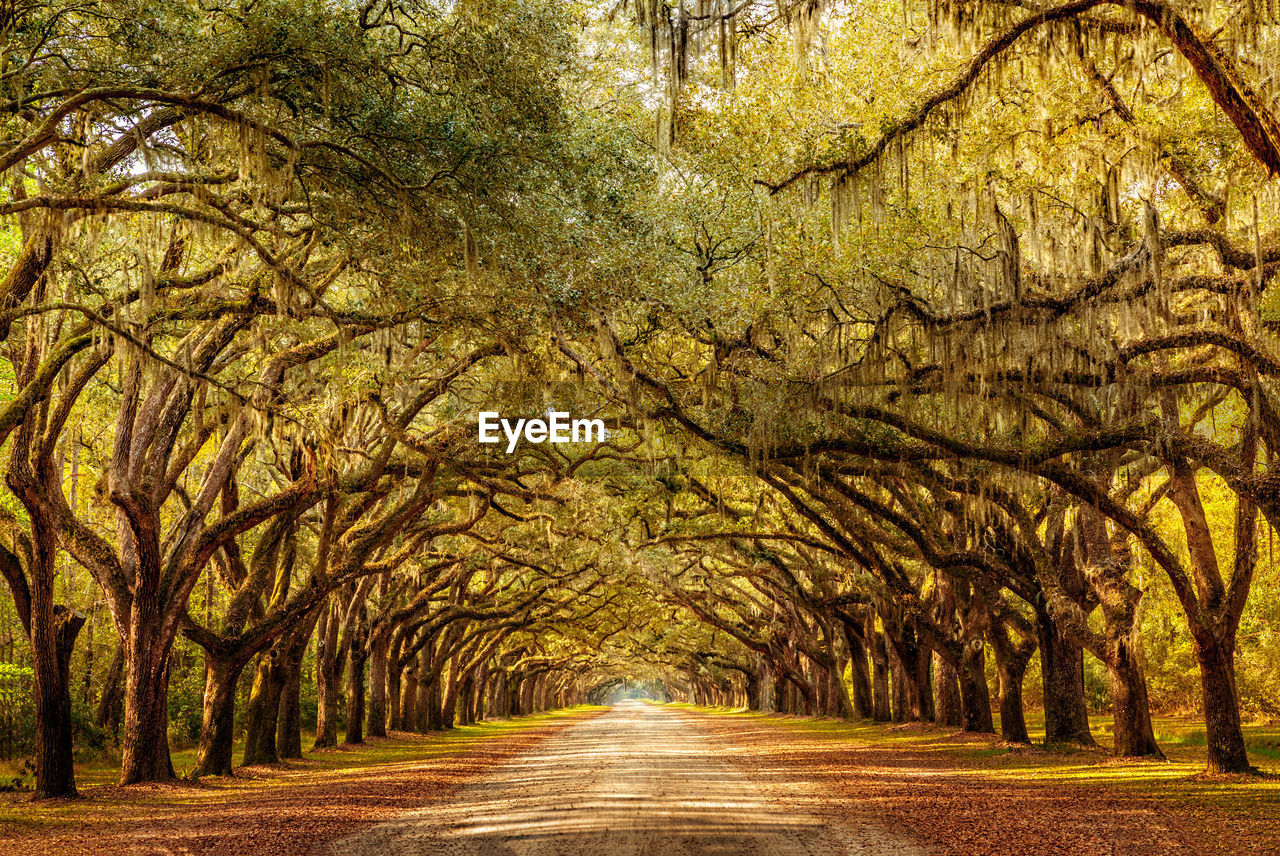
<point x="975" y="695"/>
<point x="449" y="700"/>
<point x="110" y="703"/>
<point x="328" y="674"/>
<point x="1223" y="734"/>
<point x="217" y="720"/>
<point x="378" y="687"/>
<point x="263" y="710"/>
<point x="355" y="699"/>
<point x="1012" y="671"/>
<point x="144" y="743"/>
<point x="409" y="700"/>
<point x="289" y="718"/>
<point x="880" y="695"/>
<point x="1134" y="735"/>
<point x="53" y="635"/>
<point x="433" y="708"/>
<point x="947" y="688"/>
<point x="859" y="676"/>
<point x="395" y="716"/>
<point x="1066" y="715"/>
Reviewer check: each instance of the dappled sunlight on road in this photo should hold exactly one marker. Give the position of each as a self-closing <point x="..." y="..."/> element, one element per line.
<point x="639" y="779"/>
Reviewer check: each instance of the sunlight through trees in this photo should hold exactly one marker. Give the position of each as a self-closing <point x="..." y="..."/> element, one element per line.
<point x="934" y="346"/>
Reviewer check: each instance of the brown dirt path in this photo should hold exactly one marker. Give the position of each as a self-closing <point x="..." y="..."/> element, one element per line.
<point x="640" y="779"/>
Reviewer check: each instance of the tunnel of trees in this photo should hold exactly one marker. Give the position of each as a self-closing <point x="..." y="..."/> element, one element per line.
<point x="935" y="343"/>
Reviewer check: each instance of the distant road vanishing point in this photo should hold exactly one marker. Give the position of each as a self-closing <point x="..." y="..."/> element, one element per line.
<point x="639" y="779"/>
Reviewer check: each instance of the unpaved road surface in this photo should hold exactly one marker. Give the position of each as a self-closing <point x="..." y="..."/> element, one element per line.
<point x="637" y="780"/>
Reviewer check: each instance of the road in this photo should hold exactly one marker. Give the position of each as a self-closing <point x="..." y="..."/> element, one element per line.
<point x="639" y="779"/>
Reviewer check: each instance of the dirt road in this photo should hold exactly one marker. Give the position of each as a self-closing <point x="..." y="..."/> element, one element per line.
<point x="639" y="779"/>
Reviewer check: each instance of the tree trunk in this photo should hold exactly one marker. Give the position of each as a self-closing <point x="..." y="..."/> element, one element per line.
<point x="477" y="698"/>
<point x="144" y="744"/>
<point x="859" y="677"/>
<point x="1011" y="667"/>
<point x="901" y="694"/>
<point x="911" y="677"/>
<point x="355" y="699"/>
<point x="289" y="717"/>
<point x="1013" y="721"/>
<point x="482" y="693"/>
<point x="975" y="695"/>
<point x="110" y="706"/>
<point x="51" y="628"/>
<point x="1215" y="622"/>
<point x="544" y="692"/>
<point x="752" y="691"/>
<point x="510" y="685"/>
<point x="261" y="717"/>
<point x="467" y="700"/>
<point x="217" y="719"/>
<point x="287" y="676"/>
<point x="434" y="709"/>
<point x="327" y="677"/>
<point x="767" y="702"/>
<point x="492" y="705"/>
<point x="395" y="716"/>
<point x="502" y="694"/>
<point x="1066" y="716"/>
<point x="924" y="679"/>
<point x="1131" y="712"/>
<point x="527" y="689"/>
<point x="53" y="637"/>
<point x="947" y="687"/>
<point x="479" y="694"/>
<point x="516" y="680"/>
<point x="449" y="702"/>
<point x="463" y="703"/>
<point x="425" y="679"/>
<point x="837" y="689"/>
<point x="378" y="686"/>
<point x="880" y="695"/>
<point x="1223" y="735"/>
<point x="1012" y="671"/>
<point x="409" y="700"/>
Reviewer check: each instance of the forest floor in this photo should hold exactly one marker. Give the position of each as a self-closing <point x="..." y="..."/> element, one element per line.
<point x="971" y="795"/>
<point x="672" y="779"/>
<point x="284" y="809"/>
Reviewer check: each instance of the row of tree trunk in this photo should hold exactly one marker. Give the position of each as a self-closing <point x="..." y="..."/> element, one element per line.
<point x="885" y="672"/>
